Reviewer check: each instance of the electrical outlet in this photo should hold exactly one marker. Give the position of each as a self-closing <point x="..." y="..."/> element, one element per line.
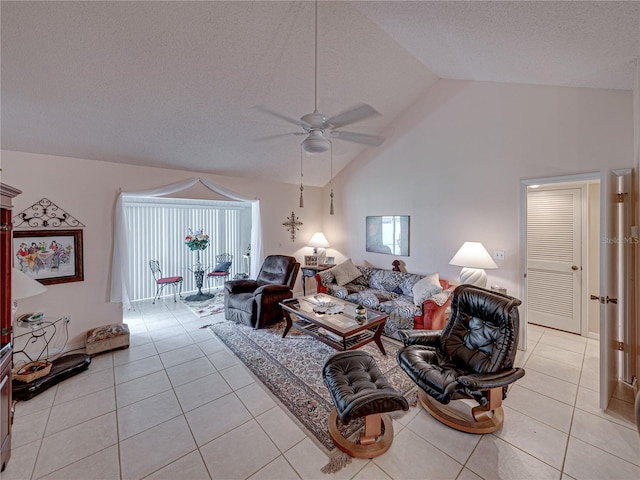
<point x="498" y="255"/>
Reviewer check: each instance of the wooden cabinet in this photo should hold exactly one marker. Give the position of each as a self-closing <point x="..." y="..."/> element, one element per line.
<point x="6" y="416"/>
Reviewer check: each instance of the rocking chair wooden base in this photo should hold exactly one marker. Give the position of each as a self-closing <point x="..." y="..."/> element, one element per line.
<point x="373" y="441"/>
<point x="480" y="420"/>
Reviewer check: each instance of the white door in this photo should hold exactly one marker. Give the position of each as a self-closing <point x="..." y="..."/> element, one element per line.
<point x="554" y="257"/>
<point x="615" y="274"/>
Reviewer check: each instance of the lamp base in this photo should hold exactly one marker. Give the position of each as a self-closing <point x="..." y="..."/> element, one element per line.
<point x="473" y="276"/>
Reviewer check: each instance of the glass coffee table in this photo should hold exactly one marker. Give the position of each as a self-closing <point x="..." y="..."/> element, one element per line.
<point x="333" y="321"/>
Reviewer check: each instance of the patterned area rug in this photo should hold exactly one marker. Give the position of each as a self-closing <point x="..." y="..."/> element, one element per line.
<point x="291" y="368"/>
<point x="208" y="307"/>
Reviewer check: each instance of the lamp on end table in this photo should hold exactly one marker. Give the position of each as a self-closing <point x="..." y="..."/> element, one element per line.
<point x="319" y="242"/>
<point x="474" y="258"/>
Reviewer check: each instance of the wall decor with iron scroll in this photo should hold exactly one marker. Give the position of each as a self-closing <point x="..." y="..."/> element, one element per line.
<point x="47" y="244"/>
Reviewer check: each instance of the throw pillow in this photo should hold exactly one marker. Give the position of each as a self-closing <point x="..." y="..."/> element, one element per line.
<point x="345" y="272"/>
<point x="425" y="288"/>
<point x="222" y="267"/>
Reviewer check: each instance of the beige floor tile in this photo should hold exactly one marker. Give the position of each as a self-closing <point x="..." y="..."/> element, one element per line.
<point x="22" y="461"/>
<point x="101" y="362"/>
<point x="141" y="388"/>
<point x="425" y="458"/>
<point x="181" y="355"/>
<point x="618" y="411"/>
<point x="173" y="343"/>
<point x="565" y="372"/>
<point x="569" y="342"/>
<point x="371" y="470"/>
<point x="29" y="428"/>
<point x="467" y="474"/>
<point x="255" y="398"/>
<point x="280" y="469"/>
<point x="584" y="461"/>
<point x="611" y="437"/>
<point x="282" y="430"/>
<point x="134" y="353"/>
<point x="227" y="456"/>
<point x="201" y="391"/>
<point x="544" y="409"/>
<point x="496" y="459"/>
<point x="223" y="359"/>
<point x="41" y="401"/>
<point x="454" y="443"/>
<point x="137" y="369"/>
<point x="237" y="376"/>
<point x="104" y="465"/>
<point x="217" y="418"/>
<point x="83" y="384"/>
<point x="75" y="443"/>
<point x="559" y="354"/>
<point x="190" y="371"/>
<point x="189" y="467"/>
<point x="155" y="448"/>
<point x="169" y="332"/>
<point x="74" y="412"/>
<point x="211" y="346"/>
<point x="533" y="437"/>
<point x="549" y="386"/>
<point x="307" y="459"/>
<point x="139" y="339"/>
<point x="147" y="413"/>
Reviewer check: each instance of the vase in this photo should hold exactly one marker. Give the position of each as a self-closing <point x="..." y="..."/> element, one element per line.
<point x="198" y="259"/>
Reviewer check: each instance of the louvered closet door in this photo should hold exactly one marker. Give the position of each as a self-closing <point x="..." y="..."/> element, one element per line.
<point x="554" y="270"/>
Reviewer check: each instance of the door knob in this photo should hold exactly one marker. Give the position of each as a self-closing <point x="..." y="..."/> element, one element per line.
<point x="574" y="267"/>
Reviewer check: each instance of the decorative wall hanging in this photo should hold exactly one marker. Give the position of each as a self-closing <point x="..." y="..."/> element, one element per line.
<point x="293" y="224"/>
<point x="49" y="256"/>
<point x="45" y="214"/>
<point x="388" y="234"/>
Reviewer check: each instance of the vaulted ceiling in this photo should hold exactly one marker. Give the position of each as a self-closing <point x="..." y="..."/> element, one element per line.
<point x="185" y="85"/>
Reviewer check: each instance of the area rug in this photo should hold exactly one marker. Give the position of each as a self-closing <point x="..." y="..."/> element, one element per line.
<point x="291" y="368"/>
<point x="207" y="307"/>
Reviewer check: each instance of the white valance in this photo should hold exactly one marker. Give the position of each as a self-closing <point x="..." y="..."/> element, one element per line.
<point x="120" y="287"/>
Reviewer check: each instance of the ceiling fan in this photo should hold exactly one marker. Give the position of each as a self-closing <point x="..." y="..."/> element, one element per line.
<point x="316" y="126"/>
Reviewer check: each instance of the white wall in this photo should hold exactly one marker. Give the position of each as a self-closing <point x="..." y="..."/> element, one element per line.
<point x="88" y="189"/>
<point x="455" y="164"/>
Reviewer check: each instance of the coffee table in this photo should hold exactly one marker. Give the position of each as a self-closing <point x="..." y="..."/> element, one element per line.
<point x="340" y="330"/>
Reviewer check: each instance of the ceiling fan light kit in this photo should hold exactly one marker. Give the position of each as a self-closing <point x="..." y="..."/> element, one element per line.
<point x="315" y="142"/>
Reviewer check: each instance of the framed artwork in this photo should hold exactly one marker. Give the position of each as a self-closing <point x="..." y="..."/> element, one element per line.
<point x="311" y="260"/>
<point x="330" y="261"/>
<point x="388" y="234"/>
<point x="49" y="256"/>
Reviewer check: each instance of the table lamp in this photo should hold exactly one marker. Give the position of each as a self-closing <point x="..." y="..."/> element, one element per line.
<point x="474" y="258"/>
<point x="23" y="286"/>
<point x="319" y="242"/>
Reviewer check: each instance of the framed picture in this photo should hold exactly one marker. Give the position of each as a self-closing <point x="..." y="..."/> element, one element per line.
<point x="330" y="261"/>
<point x="49" y="256"/>
<point x="311" y="260"/>
<point x="388" y="234"/>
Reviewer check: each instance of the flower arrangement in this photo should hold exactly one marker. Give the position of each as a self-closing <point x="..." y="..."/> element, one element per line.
<point x="196" y="240"/>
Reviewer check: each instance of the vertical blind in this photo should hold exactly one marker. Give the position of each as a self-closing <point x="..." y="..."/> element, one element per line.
<point x="158" y="227"/>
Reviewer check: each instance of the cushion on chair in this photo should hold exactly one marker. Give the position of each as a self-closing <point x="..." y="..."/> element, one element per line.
<point x="221" y="267"/>
<point x="169" y="279"/>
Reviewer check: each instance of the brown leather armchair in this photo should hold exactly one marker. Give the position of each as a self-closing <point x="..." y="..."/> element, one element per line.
<point x="472" y="357"/>
<point x="257" y="302"/>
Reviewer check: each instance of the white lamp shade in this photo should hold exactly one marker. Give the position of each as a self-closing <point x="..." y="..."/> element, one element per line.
<point x="473" y="255"/>
<point x="23" y="286"/>
<point x="319" y="241"/>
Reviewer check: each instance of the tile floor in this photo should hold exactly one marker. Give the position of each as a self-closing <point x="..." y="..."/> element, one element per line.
<point x="178" y="404"/>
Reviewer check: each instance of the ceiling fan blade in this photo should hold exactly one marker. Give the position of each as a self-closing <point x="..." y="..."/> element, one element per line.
<point x="373" y="140"/>
<point x="281" y="116"/>
<point x="277" y="135"/>
<point x="353" y="115"/>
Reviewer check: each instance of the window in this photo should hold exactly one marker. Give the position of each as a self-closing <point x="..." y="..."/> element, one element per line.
<point x="157" y="229"/>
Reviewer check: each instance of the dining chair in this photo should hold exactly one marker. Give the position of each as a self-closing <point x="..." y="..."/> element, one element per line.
<point x="222" y="268"/>
<point x="162" y="282"/>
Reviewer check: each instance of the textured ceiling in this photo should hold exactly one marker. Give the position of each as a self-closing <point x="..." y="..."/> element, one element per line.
<point x="176" y="84"/>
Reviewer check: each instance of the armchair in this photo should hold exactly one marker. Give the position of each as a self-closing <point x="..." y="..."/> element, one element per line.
<point x="472" y="357"/>
<point x="257" y="302"/>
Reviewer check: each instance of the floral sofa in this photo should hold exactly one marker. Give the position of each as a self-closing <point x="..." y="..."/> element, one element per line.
<point x="393" y="293"/>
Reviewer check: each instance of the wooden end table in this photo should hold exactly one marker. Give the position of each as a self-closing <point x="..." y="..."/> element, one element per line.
<point x="309" y="271"/>
<point x="340" y="331"/>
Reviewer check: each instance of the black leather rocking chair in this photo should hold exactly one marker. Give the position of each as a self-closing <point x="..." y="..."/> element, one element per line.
<point x="472" y="357"/>
<point x="257" y="302"/>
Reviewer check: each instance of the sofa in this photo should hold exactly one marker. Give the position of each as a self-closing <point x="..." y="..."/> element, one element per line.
<point x="412" y="301"/>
